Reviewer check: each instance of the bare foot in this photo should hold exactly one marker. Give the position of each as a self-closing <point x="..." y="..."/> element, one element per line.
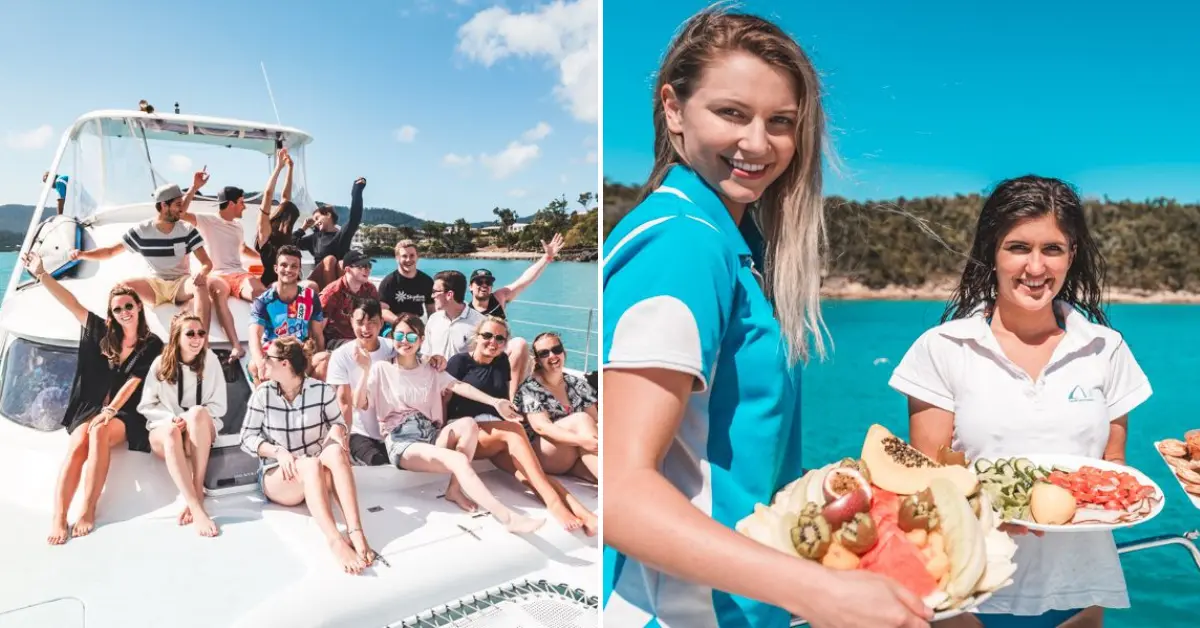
<point x="344" y="554"/>
<point x="205" y="526"/>
<point x="85" y="525"/>
<point x="520" y="524"/>
<point x="358" y="539"/>
<point x="455" y="494"/>
<point x="58" y="531"/>
<point x="591" y="526"/>
<point x="185" y="516"/>
<point x="569" y="521"/>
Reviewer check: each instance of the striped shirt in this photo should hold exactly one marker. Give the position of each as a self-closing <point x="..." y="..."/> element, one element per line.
<point x="299" y="426"/>
<point x="165" y="253"/>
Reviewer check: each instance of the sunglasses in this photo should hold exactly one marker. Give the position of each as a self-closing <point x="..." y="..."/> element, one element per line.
<point x="123" y="308"/>
<point x="195" y="333"/>
<point x="487" y="335"/>
<point x="484" y="282"/>
<point x="410" y="337"/>
<point x="276" y="357"/>
<point x="545" y="353"/>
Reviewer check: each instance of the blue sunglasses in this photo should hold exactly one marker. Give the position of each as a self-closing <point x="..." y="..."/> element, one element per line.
<point x="410" y="337"/>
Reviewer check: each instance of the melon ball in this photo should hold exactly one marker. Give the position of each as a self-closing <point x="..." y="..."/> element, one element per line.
<point x="1051" y="504"/>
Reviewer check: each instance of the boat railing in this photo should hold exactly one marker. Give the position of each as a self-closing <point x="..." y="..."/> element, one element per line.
<point x="589" y="332"/>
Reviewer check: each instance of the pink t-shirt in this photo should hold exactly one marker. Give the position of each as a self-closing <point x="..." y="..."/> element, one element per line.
<point x="393" y="389"/>
<point x="223" y="241"/>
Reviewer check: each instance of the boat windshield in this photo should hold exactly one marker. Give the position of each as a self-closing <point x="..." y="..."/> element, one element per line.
<point x="118" y="161"/>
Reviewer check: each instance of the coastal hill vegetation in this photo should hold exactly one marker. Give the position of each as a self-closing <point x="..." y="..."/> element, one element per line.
<point x="382" y="227"/>
<point x="1149" y="245"/>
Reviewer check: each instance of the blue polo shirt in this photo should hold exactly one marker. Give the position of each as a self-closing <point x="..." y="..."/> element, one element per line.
<point x="682" y="292"/>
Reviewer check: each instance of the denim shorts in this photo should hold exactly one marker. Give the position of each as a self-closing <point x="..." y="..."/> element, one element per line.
<point x="415" y="429"/>
<point x="263" y="466"/>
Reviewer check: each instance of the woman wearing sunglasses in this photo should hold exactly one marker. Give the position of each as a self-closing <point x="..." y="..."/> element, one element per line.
<point x="183" y="402"/>
<point x="561" y="410"/>
<point x="487" y="367"/>
<point x="406" y="395"/>
<point x="115" y="352"/>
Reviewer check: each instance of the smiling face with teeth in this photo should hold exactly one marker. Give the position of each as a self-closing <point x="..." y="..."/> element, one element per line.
<point x="737" y="129"/>
<point x="1032" y="262"/>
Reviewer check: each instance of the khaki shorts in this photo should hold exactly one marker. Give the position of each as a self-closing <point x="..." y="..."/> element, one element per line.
<point x="165" y="290"/>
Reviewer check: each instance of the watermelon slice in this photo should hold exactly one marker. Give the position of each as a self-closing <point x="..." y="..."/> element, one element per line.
<point x="894" y="555"/>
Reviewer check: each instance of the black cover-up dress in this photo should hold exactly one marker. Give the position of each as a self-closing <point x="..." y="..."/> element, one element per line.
<point x="96" y="381"/>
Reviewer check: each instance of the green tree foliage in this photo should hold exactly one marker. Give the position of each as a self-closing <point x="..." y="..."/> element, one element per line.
<point x="1151" y="245"/>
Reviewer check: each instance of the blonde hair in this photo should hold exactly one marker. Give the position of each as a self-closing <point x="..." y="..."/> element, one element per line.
<point x="478" y="328"/>
<point x="172" y="355"/>
<point x="404" y="244"/>
<point x="790" y="212"/>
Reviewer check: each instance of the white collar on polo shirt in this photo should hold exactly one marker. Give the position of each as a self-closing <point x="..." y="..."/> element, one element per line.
<point x="1080" y="332"/>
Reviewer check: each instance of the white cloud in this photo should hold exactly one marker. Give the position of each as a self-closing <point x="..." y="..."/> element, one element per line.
<point x="565" y="33"/>
<point x="406" y="133"/>
<point x="511" y="159"/>
<point x="536" y="133"/>
<point x="457" y="161"/>
<point x="179" y="163"/>
<point x="29" y="140"/>
<point x="518" y="193"/>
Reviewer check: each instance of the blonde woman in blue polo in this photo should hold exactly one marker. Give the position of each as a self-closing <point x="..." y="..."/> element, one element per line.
<point x="711" y="287"/>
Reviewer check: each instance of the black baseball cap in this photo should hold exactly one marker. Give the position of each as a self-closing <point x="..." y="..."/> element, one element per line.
<point x="356" y="258"/>
<point x="230" y="194"/>
<point x="482" y="273"/>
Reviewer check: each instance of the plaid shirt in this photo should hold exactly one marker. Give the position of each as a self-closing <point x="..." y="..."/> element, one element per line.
<point x="300" y="426"/>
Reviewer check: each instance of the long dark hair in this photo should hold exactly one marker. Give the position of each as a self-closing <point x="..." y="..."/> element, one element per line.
<point x="172" y="355"/>
<point x="1012" y="202"/>
<point x="114" y="335"/>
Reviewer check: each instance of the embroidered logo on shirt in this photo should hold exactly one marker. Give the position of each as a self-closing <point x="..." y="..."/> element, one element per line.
<point x="1078" y="394"/>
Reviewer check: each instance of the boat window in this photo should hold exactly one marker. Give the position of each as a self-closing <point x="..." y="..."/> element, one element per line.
<point x="37" y="384"/>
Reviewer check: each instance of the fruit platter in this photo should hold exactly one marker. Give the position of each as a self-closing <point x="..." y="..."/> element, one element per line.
<point x="1183" y="457"/>
<point x="1055" y="493"/>
<point x="896" y="512"/>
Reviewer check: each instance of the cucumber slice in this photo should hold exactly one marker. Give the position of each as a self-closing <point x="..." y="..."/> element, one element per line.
<point x="983" y="465"/>
<point x="1023" y="465"/>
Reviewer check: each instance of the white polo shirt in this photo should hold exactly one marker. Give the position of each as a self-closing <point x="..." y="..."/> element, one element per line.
<point x="447" y="337"/>
<point x="999" y="411"/>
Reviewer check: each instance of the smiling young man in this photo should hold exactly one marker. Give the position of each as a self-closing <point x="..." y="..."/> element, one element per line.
<point x="286" y="309"/>
<point x="343" y="371"/>
<point x="165" y="242"/>
<point x="406" y="289"/>
<point x="337" y="299"/>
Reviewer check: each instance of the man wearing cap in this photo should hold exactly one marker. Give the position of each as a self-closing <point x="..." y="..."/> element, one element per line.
<point x="492" y="303"/>
<point x="225" y="241"/>
<point x="337" y="299"/>
<point x="165" y="242"/>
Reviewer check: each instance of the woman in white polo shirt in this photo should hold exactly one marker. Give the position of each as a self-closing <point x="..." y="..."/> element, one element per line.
<point x="1025" y="362"/>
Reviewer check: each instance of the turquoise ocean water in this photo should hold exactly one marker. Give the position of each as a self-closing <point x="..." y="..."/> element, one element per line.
<point x="848" y="392"/>
<point x="572" y="284"/>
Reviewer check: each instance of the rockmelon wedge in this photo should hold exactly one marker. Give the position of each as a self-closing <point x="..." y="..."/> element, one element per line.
<point x="898" y="467"/>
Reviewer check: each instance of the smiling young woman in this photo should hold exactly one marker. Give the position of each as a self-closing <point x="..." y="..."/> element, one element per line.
<point x="711" y="299"/>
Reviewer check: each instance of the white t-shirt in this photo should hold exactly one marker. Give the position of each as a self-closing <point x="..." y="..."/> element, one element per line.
<point x="223" y="241"/>
<point x="999" y="411"/>
<point x="447" y="337"/>
<point x="343" y="369"/>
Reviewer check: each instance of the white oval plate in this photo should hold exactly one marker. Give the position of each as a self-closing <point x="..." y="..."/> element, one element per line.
<point x="1050" y="461"/>
<point x="968" y="606"/>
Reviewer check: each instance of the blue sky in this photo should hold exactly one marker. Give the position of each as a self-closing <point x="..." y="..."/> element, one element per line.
<point x="448" y="107"/>
<point x="943" y="97"/>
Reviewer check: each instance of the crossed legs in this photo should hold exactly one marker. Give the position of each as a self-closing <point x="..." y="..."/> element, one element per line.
<point x="558" y="459"/>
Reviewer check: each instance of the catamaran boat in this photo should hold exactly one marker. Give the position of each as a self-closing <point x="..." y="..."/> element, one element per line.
<point x="270" y="565"/>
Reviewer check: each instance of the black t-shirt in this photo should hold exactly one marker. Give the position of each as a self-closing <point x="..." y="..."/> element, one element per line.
<point x="491" y="378"/>
<point x="406" y="295"/>
<point x="493" y="307"/>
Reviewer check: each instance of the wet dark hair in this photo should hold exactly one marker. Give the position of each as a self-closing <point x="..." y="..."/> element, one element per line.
<point x="1015" y="201"/>
<point x="328" y="210"/>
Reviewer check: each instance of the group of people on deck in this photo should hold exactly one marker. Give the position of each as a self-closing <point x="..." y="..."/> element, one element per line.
<point x="415" y="374"/>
